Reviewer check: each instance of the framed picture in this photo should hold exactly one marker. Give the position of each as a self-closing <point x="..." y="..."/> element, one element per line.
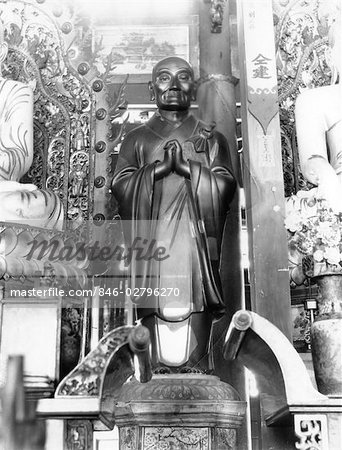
<point x="134" y="50"/>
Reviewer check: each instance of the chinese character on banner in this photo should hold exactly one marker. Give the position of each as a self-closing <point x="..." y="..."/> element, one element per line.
<point x="261" y="67"/>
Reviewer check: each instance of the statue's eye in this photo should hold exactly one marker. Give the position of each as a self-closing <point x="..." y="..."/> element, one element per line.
<point x="164" y="77"/>
<point x="184" y="76"/>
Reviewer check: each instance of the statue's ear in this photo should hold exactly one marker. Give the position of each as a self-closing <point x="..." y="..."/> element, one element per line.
<point x="152" y="95"/>
<point x="3" y="51"/>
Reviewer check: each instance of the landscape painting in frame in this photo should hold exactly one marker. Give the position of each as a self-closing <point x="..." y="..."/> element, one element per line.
<point x="135" y="50"/>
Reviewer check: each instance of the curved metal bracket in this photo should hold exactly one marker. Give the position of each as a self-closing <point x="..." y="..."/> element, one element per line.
<point x="280" y="372"/>
<point x="103" y="372"/>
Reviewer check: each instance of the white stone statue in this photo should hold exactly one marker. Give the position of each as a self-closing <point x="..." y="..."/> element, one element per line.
<point x="319" y="130"/>
<point x="21" y="203"/>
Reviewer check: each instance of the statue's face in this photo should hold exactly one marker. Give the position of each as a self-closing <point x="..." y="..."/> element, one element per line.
<point x="173" y="84"/>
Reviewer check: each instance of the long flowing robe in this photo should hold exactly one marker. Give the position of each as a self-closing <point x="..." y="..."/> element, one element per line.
<point x="186" y="217"/>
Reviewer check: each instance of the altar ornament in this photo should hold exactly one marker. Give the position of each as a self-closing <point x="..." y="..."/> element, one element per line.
<point x="216" y="15"/>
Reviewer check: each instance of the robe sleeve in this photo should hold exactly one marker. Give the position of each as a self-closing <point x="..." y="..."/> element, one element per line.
<point x="133" y="187"/>
<point x="133" y="181"/>
<point x="213" y="187"/>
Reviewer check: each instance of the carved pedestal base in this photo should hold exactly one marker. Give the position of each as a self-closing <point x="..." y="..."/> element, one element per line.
<point x="179" y="412"/>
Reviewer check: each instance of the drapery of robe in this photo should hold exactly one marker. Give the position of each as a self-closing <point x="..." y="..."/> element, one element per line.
<point x="22" y="203"/>
<point x="185" y="216"/>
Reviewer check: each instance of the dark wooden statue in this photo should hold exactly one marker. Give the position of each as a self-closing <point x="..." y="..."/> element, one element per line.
<point x="173" y="183"/>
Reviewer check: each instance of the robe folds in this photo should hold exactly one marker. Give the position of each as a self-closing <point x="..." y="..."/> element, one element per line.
<point x="184" y="216"/>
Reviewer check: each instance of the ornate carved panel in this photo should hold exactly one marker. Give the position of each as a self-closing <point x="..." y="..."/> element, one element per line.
<point x="88" y="377"/>
<point x="311" y="431"/>
<point x="128" y="438"/>
<point x="176" y="438"/>
<point x="79" y="435"/>
<point x="225" y="438"/>
<point x="302" y="56"/>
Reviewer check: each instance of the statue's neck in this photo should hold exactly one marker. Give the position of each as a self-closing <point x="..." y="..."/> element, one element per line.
<point x="174" y="116"/>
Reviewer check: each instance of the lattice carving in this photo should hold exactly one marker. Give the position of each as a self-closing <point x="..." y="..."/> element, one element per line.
<point x="311" y="431"/>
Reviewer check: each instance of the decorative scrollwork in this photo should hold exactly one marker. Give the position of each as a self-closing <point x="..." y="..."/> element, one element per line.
<point x="37" y="173"/>
<point x="176" y="437"/>
<point x="86" y="379"/>
<point x="175" y="387"/>
<point x="225" y="438"/>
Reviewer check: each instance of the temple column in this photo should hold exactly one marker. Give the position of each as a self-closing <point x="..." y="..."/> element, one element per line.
<point x="216" y="101"/>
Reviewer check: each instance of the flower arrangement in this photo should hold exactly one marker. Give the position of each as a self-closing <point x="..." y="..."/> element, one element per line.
<point x="315" y="233"/>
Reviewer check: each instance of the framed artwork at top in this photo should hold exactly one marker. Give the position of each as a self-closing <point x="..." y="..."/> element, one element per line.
<point x="134" y="50"/>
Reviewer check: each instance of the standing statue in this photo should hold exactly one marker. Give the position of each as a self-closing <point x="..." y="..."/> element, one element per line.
<point x="21" y="203"/>
<point x="173" y="183"/>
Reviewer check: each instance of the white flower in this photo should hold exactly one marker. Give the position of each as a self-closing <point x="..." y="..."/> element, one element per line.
<point x="293" y="222"/>
<point x="307" y="78"/>
<point x="332" y="255"/>
<point x="318" y="255"/>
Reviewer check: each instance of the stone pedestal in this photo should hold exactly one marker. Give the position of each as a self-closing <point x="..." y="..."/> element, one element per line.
<point x="178" y="412"/>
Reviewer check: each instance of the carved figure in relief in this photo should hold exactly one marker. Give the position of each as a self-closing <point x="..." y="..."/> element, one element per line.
<point x="78" y="180"/>
<point x="79" y="140"/>
<point x="21" y="203"/>
<point x="174" y="183"/>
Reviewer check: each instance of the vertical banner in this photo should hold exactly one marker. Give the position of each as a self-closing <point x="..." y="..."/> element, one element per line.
<point x="262" y="163"/>
<point x="260" y="62"/>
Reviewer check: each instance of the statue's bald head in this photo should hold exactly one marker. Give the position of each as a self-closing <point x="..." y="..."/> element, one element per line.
<point x="171" y="62"/>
